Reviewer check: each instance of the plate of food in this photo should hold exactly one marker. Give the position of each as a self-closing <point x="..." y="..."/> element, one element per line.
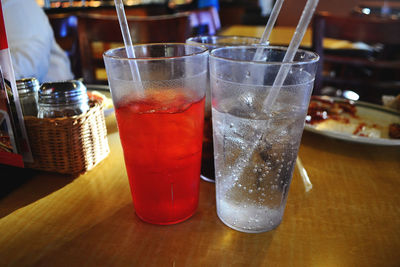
<point x="101" y="93"/>
<point x="353" y="121"/>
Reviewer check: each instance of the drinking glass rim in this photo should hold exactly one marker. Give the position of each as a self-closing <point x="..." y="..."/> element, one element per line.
<point x="203" y="51"/>
<point x="313" y="59"/>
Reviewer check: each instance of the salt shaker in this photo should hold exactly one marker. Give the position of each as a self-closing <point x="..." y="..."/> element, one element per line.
<point x="28" y="95"/>
<point x="62" y="99"/>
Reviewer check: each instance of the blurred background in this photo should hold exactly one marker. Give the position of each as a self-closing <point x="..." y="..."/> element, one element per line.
<point x="231" y="11"/>
<point x="357" y="40"/>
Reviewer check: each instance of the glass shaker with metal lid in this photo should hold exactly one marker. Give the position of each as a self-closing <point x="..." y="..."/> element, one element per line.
<point x="28" y="95"/>
<point x="62" y="99"/>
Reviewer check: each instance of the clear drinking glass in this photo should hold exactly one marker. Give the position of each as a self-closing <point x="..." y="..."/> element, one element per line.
<point x="255" y="150"/>
<point x="160" y="121"/>
<point x="212" y="42"/>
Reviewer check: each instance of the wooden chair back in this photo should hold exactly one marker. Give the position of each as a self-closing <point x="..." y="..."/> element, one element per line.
<point x="98" y="33"/>
<point x="370" y="73"/>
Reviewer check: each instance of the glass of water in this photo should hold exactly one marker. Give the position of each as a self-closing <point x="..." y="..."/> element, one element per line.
<point x="255" y="147"/>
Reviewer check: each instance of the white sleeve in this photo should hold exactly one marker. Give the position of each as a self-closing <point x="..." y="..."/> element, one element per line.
<point x="30" y="37"/>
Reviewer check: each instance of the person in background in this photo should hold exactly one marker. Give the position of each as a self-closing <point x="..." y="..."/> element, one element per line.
<point x="34" y="51"/>
<point x="207" y="3"/>
<point x="266" y="6"/>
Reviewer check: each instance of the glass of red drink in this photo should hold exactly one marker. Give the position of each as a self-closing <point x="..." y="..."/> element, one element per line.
<point x="160" y="119"/>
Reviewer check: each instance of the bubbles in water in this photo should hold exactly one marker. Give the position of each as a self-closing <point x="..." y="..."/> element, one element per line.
<point x="257" y="169"/>
<point x="252" y="218"/>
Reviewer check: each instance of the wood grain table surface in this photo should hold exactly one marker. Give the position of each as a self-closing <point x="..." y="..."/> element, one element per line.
<point x="351" y="217"/>
<point x="281" y="35"/>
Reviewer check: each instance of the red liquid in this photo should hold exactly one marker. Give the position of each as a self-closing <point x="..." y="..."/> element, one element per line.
<point x="162" y="137"/>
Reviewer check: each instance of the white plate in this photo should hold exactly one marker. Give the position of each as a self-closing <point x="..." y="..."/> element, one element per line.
<point x="373" y="114"/>
<point x="105" y="90"/>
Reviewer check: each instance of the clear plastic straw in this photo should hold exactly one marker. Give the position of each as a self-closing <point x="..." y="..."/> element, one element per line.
<point x="283" y="71"/>
<point x="298" y="35"/>
<point x="268" y="29"/>
<point x="123" y="23"/>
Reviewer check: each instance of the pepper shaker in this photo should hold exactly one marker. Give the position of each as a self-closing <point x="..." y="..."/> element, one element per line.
<point x="28" y="95"/>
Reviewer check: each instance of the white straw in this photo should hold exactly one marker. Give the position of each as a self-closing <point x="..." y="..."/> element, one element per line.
<point x="268" y="29"/>
<point x="271" y="21"/>
<point x="283" y="70"/>
<point x="304" y="175"/>
<point x="290" y="53"/>
<point x="123" y="23"/>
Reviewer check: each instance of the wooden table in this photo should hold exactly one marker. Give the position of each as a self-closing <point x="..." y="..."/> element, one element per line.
<point x="351" y="217"/>
<point x="281" y="35"/>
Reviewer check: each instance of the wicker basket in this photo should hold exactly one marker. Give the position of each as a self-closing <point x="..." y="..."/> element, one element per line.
<point x="69" y="145"/>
